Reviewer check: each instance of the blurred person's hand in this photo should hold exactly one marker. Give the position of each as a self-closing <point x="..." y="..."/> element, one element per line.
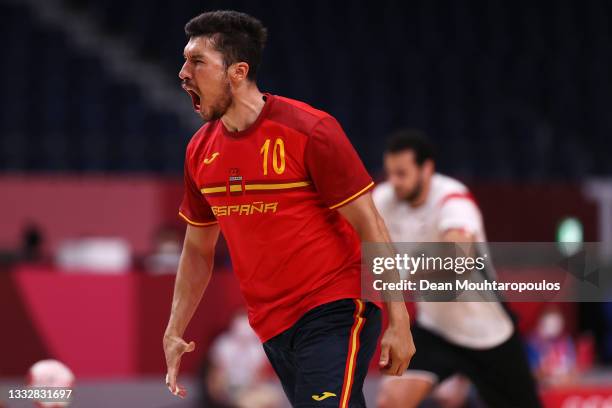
<point x="174" y="348"/>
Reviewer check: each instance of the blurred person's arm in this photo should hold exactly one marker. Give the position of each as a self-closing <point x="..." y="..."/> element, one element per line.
<point x="460" y="220"/>
<point x="458" y="235"/>
<point x="397" y="346"/>
<point x="194" y="272"/>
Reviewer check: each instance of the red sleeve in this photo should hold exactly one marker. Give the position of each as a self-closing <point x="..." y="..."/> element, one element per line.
<point x="194" y="208"/>
<point x="334" y="166"/>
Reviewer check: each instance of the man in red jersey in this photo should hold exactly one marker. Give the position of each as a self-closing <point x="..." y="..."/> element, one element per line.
<point x="284" y="184"/>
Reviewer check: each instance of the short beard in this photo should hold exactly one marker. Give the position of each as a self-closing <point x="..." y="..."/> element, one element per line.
<point x="415" y="194"/>
<point x="220" y="108"/>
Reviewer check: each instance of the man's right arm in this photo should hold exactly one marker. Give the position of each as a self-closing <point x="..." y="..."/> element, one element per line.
<point x="194" y="272"/>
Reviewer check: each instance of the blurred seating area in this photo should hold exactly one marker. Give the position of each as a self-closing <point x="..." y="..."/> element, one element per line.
<point x="509" y="90"/>
<point x="121" y="317"/>
<point x="63" y="111"/>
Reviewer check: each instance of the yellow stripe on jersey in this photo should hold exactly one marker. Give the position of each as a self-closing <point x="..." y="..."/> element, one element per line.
<point x="281" y="186"/>
<point x="255" y="187"/>
<point x="211" y="190"/>
<point x="357" y="194"/>
<point x="197" y="224"/>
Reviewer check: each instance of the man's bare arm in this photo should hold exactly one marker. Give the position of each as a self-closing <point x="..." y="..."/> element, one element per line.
<point x="457" y="235"/>
<point x="397" y="347"/>
<point x="193" y="275"/>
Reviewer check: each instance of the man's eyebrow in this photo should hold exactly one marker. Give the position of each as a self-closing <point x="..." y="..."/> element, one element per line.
<point x="194" y="56"/>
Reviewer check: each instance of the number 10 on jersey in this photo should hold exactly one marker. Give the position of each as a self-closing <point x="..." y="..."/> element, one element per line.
<point x="278" y="156"/>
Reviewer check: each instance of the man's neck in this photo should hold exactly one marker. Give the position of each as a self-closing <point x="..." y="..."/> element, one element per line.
<point x="422" y="198"/>
<point x="246" y="107"/>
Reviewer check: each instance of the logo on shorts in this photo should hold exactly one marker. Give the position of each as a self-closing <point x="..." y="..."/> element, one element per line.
<point x="323" y="396"/>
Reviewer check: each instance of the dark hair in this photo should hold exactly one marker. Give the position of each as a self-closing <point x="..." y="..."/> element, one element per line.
<point x="411" y="139"/>
<point x="238" y="36"/>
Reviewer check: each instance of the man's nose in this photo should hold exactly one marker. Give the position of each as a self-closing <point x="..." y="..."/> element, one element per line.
<point x="184" y="72"/>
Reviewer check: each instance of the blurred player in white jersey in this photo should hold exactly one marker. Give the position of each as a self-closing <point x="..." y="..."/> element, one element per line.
<point x="475" y="339"/>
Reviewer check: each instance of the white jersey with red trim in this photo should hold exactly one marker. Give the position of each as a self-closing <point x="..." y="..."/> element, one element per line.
<point x="449" y="205"/>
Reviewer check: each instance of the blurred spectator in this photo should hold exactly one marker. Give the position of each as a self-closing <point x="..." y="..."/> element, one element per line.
<point x="240" y="340"/>
<point x="214" y="392"/>
<point x="167" y="247"/>
<point x="51" y="373"/>
<point x="166" y="253"/>
<point x="32" y="243"/>
<point x="261" y="396"/>
<point x="552" y="352"/>
<point x="238" y="370"/>
<point x="95" y="254"/>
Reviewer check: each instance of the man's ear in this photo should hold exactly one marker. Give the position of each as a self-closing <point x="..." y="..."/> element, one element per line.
<point x="239" y="71"/>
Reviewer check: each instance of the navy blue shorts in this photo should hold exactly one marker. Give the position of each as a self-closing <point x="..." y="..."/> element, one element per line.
<point x="323" y="359"/>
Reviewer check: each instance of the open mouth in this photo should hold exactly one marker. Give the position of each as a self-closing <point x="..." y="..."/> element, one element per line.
<point x="195" y="98"/>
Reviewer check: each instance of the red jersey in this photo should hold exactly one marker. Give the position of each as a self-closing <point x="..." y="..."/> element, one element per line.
<point x="274" y="189"/>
